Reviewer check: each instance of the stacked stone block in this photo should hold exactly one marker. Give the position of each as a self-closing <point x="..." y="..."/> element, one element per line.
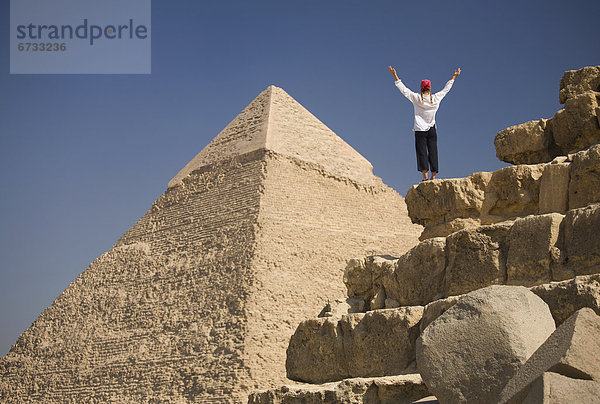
<point x="533" y="224"/>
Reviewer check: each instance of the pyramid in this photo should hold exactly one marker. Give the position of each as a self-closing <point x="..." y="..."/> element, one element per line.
<point x="198" y="300"/>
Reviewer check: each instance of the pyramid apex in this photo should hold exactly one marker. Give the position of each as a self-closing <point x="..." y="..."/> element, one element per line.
<point x="277" y="122"/>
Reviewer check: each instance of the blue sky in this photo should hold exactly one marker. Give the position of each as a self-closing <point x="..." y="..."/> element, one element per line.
<point x="82" y="157"/>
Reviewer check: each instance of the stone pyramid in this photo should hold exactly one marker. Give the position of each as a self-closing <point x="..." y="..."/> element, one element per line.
<point x="198" y="300"/>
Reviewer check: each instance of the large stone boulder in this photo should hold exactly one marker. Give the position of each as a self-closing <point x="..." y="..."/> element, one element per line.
<point x="402" y="389"/>
<point x="471" y="351"/>
<point x="532" y="241"/>
<point x="476" y="258"/>
<point x="573" y="350"/>
<point x="376" y="343"/>
<point x="566" y="297"/>
<point x="576" y="125"/>
<point x="575" y="82"/>
<point x="584" y="185"/>
<point x="512" y="192"/>
<point x="582" y="241"/>
<point x="528" y="143"/>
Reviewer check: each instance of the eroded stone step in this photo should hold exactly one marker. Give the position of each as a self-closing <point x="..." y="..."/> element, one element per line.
<point x="378" y="390"/>
<point x="529" y="251"/>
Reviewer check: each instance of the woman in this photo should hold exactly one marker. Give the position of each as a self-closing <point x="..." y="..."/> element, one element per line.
<point x="425" y="105"/>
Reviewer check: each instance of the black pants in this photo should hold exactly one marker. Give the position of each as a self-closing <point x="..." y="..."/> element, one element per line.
<point x="426" y="145"/>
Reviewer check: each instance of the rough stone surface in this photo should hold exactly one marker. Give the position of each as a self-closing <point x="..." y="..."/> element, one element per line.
<point x="512" y="192"/>
<point x="377" y="343"/>
<point x="527" y="143"/>
<point x="403" y="389"/>
<point x="531" y="240"/>
<point x="584" y="185"/>
<point x="476" y="258"/>
<point x="198" y="300"/>
<point x="435" y="309"/>
<point x="439" y="201"/>
<point x="471" y="351"/>
<point x="446" y="206"/>
<point x="575" y="82"/>
<point x="419" y="274"/>
<point x="576" y="125"/>
<point x="554" y="388"/>
<point x="566" y="297"/>
<point x="366" y="277"/>
<point x="573" y="350"/>
<point x="582" y="241"/>
<point x="554" y="188"/>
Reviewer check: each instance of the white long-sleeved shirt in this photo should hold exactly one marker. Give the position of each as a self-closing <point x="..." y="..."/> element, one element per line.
<point x="424" y="109"/>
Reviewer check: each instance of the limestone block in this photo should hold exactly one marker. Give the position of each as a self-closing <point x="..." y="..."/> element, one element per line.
<point x="575" y="82"/>
<point x="527" y="143"/>
<point x="566" y="297"/>
<point x="573" y="350"/>
<point x="512" y="192"/>
<point x="576" y="125"/>
<point x="402" y="389"/>
<point x="419" y="275"/>
<point x="435" y="309"/>
<point x="444" y="229"/>
<point x="582" y="241"/>
<point x="358" y="278"/>
<point x="337" y="308"/>
<point x="469" y="353"/>
<point x="317" y="341"/>
<point x="554" y="388"/>
<point x="554" y="188"/>
<point x="438" y="201"/>
<point x="530" y="241"/>
<point x="376" y="343"/>
<point x="476" y="258"/>
<point x="366" y="277"/>
<point x="584" y="187"/>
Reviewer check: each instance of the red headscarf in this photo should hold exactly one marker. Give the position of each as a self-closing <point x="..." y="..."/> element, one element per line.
<point x="425" y="85"/>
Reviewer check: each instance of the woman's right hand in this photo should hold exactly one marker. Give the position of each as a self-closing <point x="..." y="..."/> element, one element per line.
<point x="393" y="72"/>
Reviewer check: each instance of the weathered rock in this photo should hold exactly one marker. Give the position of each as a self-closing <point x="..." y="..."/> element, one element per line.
<point x="358" y="278"/>
<point x="377" y="390"/>
<point x="419" y="275"/>
<point x="582" y="241"/>
<point x="575" y="82"/>
<point x="438" y="201"/>
<point x="566" y="297"/>
<point x="554" y="388"/>
<point x="471" y="351"/>
<point x="337" y="308"/>
<point x="576" y="125"/>
<point x="527" y="143"/>
<point x="377" y="343"/>
<point x="435" y="309"/>
<point x="476" y="258"/>
<point x="573" y="350"/>
<point x="512" y="192"/>
<point x="584" y="186"/>
<point x="446" y="228"/>
<point x="554" y="188"/>
<point x="366" y="277"/>
<point x="531" y="240"/>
